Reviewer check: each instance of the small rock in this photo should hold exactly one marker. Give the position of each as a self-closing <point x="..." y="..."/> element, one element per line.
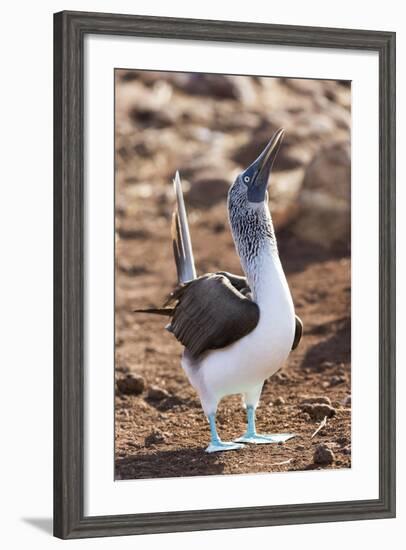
<point x="327" y="365"/>
<point x="323" y="455"/>
<point x="155" y="393"/>
<point x="347" y="401"/>
<point x="279" y="401"/>
<point x="154" y="438"/>
<point x="132" y="384"/>
<point x="312" y="400"/>
<point x="300" y="447"/>
<point x="318" y="411"/>
<point x="336" y="380"/>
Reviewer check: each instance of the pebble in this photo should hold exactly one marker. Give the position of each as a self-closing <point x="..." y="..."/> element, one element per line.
<point x="132" y="384"/>
<point x="326" y="365"/>
<point x="323" y="455"/>
<point x="154" y="438"/>
<point x="279" y="401"/>
<point x="155" y="393"/>
<point x="318" y="411"/>
<point x="336" y="380"/>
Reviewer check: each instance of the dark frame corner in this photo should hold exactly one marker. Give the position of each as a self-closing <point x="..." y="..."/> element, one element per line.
<point x="69" y="31"/>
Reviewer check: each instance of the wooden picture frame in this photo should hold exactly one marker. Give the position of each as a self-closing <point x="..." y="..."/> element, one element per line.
<point x="70" y="29"/>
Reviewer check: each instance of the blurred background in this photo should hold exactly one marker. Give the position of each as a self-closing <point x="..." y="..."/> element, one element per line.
<point x="210" y="127"/>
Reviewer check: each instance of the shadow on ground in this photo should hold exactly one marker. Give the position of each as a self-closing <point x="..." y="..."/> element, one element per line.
<point x="192" y="462"/>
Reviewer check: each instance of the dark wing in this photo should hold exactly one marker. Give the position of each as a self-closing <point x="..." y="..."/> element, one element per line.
<point x="298" y="332"/>
<point x="210" y="313"/>
<point x="238" y="282"/>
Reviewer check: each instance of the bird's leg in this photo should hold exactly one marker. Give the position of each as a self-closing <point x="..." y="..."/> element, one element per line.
<point x="251" y="435"/>
<point x="216" y="444"/>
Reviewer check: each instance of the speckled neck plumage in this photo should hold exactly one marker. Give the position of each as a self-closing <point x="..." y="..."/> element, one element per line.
<point x="252" y="230"/>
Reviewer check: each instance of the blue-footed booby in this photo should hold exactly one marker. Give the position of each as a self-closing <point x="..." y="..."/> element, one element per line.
<point x="237" y="331"/>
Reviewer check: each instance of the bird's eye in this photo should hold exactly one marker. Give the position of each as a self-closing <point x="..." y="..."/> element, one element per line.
<point x="246" y="179"/>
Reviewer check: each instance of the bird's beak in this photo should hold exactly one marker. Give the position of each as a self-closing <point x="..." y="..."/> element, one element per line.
<point x="268" y="155"/>
<point x="262" y="167"/>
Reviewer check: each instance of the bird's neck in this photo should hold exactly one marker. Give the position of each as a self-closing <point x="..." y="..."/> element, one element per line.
<point x="266" y="279"/>
<point x="255" y="241"/>
<point x="254" y="238"/>
<point x="256" y="245"/>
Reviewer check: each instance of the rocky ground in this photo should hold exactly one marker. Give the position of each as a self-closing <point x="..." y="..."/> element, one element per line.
<point x="208" y="127"/>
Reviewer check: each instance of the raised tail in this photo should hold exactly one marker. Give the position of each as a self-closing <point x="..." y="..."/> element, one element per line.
<point x="182" y="245"/>
<point x="182" y="249"/>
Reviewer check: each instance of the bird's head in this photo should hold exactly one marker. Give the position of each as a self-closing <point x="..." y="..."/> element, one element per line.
<point x="250" y="219"/>
<point x="254" y="180"/>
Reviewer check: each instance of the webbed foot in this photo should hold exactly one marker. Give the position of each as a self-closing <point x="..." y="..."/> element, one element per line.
<point x="216" y="445"/>
<point x="219" y="446"/>
<point x="258" y="439"/>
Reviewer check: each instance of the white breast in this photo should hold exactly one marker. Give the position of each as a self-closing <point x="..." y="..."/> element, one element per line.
<point x="249" y="361"/>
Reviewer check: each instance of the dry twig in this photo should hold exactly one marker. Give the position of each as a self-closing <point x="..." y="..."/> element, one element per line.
<point x="282" y="463"/>
<point x="322" y="424"/>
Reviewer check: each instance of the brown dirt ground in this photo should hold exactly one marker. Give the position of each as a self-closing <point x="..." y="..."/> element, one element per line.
<point x="145" y="273"/>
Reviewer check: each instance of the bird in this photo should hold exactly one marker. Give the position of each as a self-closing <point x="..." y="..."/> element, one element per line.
<point x="237" y="331"/>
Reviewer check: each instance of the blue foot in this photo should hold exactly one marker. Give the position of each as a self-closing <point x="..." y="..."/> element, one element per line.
<point x="251" y="435"/>
<point x="219" y="446"/>
<point x="216" y="445"/>
<point x="260" y="439"/>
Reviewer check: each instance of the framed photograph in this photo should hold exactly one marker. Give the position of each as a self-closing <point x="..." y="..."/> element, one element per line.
<point x="224" y="274"/>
